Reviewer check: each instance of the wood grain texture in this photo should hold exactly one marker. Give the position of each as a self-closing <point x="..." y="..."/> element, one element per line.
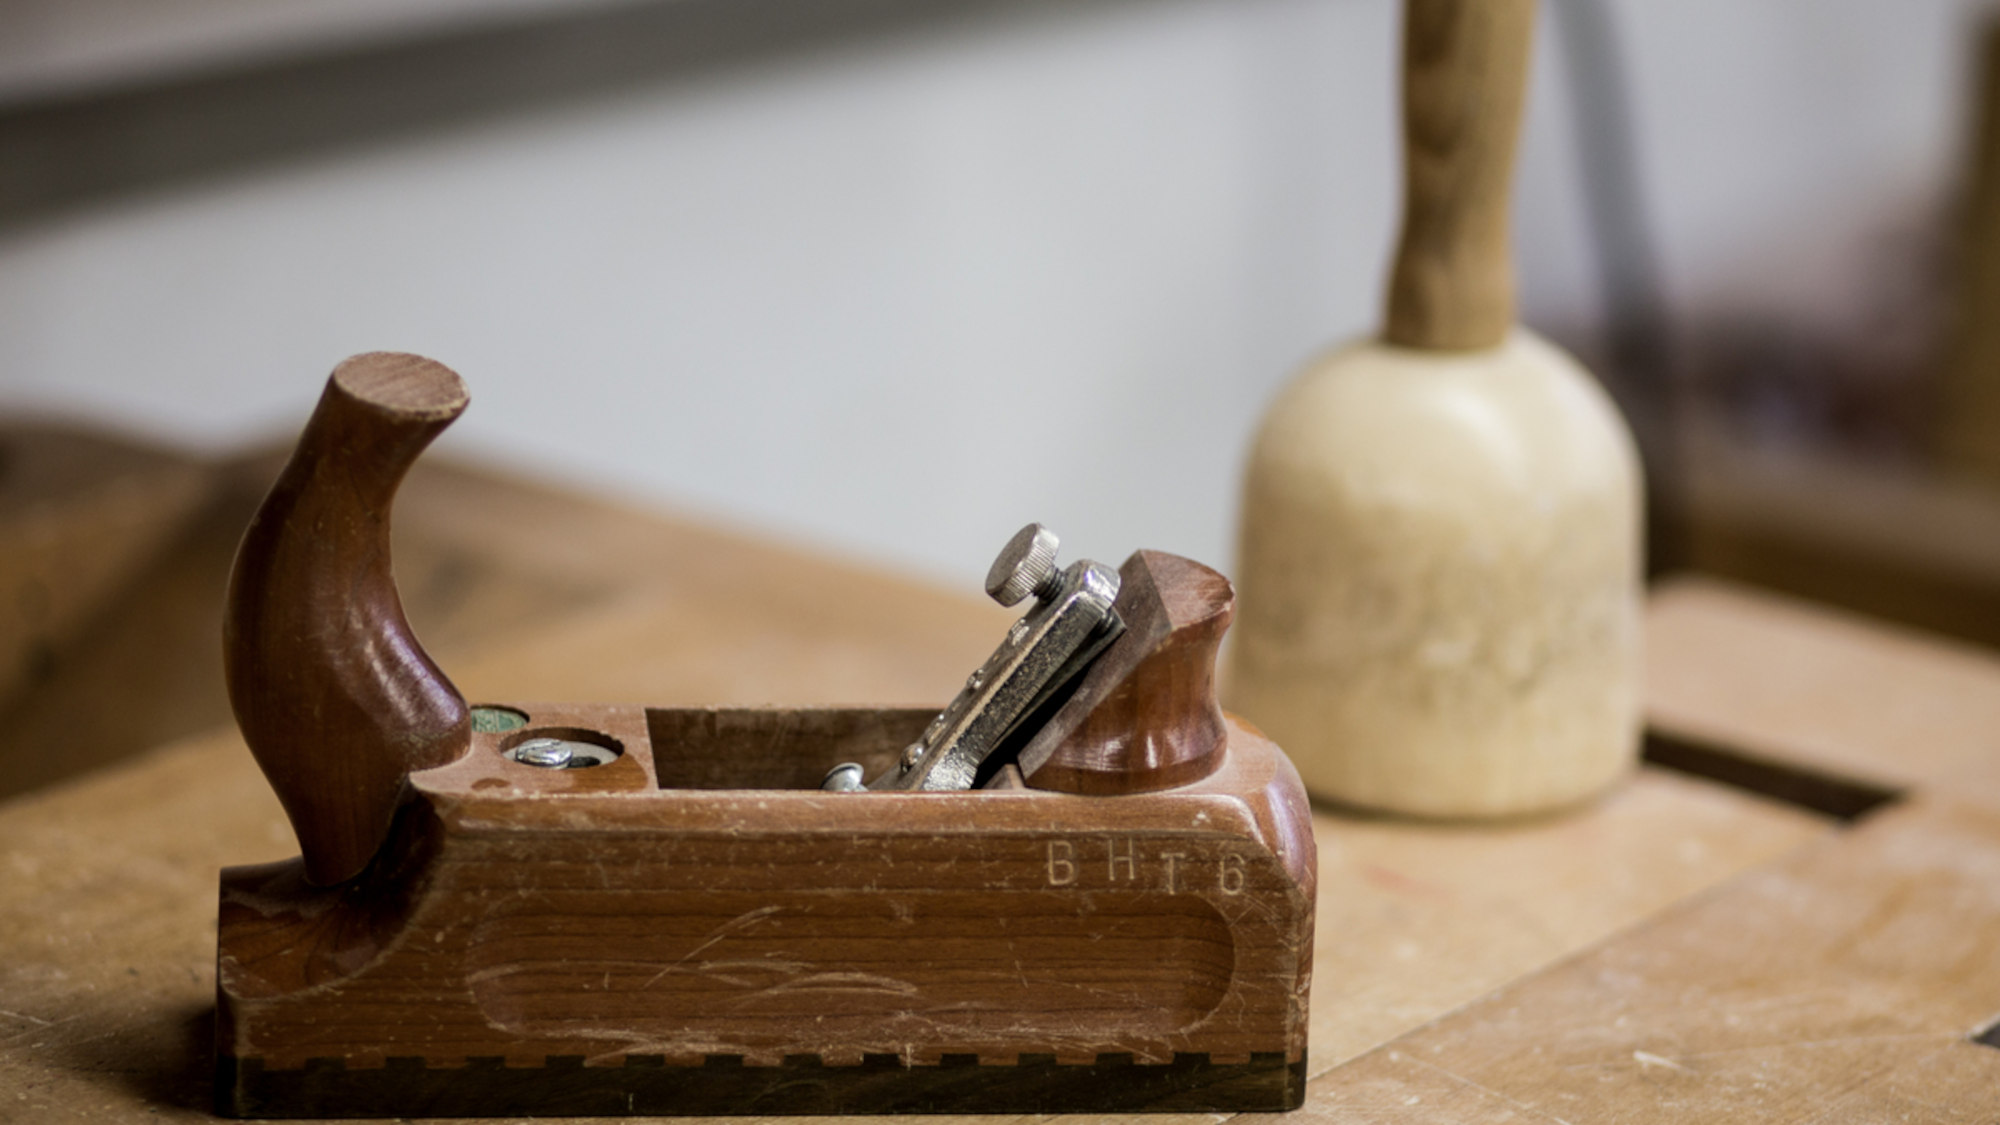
<point x="1842" y="984"/>
<point x="334" y="695"/>
<point x="1418" y="920"/>
<point x="1801" y="685"/>
<point x="83" y="514"/>
<point x="1804" y="990"/>
<point x="538" y="915"/>
<point x="1465" y="65"/>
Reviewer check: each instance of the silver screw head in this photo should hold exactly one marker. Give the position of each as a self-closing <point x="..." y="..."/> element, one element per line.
<point x="1025" y="565"/>
<point x="844" y="778"/>
<point x="555" y="753"/>
<point x="548" y="753"/>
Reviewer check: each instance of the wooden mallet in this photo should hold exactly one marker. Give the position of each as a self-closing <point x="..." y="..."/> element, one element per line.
<point x="1439" y="565"/>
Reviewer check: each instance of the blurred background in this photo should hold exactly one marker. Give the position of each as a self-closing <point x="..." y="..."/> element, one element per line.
<point x="888" y="278"/>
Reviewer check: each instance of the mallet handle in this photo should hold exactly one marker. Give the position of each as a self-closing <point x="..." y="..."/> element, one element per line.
<point x="1465" y="65"/>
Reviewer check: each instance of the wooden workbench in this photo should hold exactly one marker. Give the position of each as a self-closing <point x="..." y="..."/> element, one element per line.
<point x="1682" y="950"/>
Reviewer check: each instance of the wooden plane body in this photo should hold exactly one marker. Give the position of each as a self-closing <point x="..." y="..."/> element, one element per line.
<point x="695" y="928"/>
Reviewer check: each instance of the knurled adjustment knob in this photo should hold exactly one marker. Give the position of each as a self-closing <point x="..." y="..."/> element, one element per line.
<point x="1026" y="565"/>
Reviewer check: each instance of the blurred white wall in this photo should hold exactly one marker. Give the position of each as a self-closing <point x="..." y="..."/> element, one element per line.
<point x="897" y="298"/>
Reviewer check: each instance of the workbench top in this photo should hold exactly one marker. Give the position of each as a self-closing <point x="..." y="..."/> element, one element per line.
<point x="1682" y="949"/>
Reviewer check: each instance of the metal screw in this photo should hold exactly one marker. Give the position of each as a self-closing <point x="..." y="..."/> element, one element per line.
<point x="844" y="778"/>
<point x="553" y="753"/>
<point x="548" y="753"/>
<point x="1026" y="565"/>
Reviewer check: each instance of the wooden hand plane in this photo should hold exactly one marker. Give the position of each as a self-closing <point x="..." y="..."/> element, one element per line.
<point x="1078" y="887"/>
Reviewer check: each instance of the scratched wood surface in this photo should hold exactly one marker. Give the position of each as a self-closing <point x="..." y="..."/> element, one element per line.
<point x="107" y="883"/>
<point x="774" y="926"/>
<point x="1855" y="980"/>
<point x="1843" y="983"/>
